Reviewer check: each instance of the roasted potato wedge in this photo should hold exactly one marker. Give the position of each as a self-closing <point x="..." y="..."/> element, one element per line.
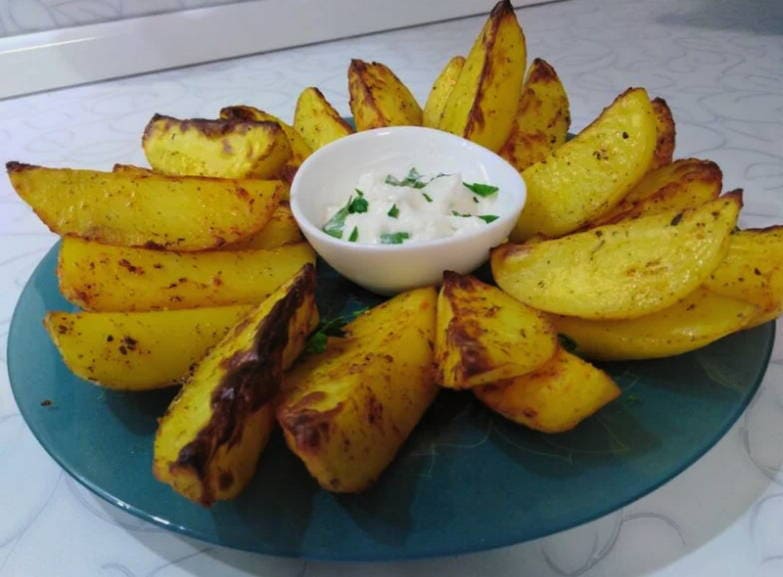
<point x="483" y="102"/>
<point x="752" y="271"/>
<point x="694" y="322"/>
<point x="127" y="209"/>
<point x="683" y="184"/>
<point x="279" y="231"/>
<point x="590" y="174"/>
<point x="209" y="441"/>
<point x="623" y="270"/>
<point x="317" y="120"/>
<point x="378" y="98"/>
<point x="484" y="336"/>
<point x="138" y="351"/>
<point x="440" y="91"/>
<point x="218" y="148"/>
<point x="347" y="411"/>
<point x="664" y="144"/>
<point x="107" y="278"/>
<point x="542" y="119"/>
<point x="554" y="398"/>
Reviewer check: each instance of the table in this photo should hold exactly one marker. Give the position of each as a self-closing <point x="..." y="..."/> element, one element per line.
<point x="718" y="63"/>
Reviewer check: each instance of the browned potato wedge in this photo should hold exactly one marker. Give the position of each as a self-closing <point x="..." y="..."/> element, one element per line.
<point x="218" y="148"/>
<point x="209" y="441"/>
<point x="542" y="119"/>
<point x="664" y="145"/>
<point x="553" y="399"/>
<point x="138" y="351"/>
<point x="683" y="184"/>
<point x="590" y="174"/>
<point x="379" y="98"/>
<point x="347" y="411"/>
<point x="132" y="169"/>
<point x="317" y="120"/>
<point x="752" y="271"/>
<point x="279" y="231"/>
<point x="107" y="278"/>
<point x="440" y="91"/>
<point x="623" y="270"/>
<point x="484" y="336"/>
<point x="483" y="102"/>
<point x="127" y="209"/>
<point x="694" y="322"/>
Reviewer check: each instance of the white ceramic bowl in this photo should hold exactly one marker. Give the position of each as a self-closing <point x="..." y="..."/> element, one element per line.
<point x="328" y="176"/>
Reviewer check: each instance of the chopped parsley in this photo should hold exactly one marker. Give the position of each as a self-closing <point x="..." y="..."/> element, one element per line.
<point x="427" y="197"/>
<point x="358" y="205"/>
<point x="334" y="226"/>
<point x="394" y="212"/>
<point x="412" y="179"/>
<point x="482" y="190"/>
<point x="394" y="237"/>
<point x="488" y="217"/>
<point x="329" y="328"/>
<point x="354" y="235"/>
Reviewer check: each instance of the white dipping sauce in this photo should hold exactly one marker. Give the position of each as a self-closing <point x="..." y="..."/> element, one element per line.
<point x="418" y="208"/>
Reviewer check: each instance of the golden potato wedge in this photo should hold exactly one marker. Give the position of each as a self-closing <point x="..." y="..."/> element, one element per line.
<point x="542" y="119"/>
<point x="664" y="144"/>
<point x="590" y="174"/>
<point x="440" y="91"/>
<point x="209" y="441"/>
<point x="683" y="184"/>
<point x="132" y="169"/>
<point x="127" y="209"/>
<point x="279" y="231"/>
<point x="694" y="322"/>
<point x="347" y="411"/>
<point x="138" y="351"/>
<point x="553" y="399"/>
<point x="299" y="148"/>
<point x="107" y="278"/>
<point x="378" y="98"/>
<point x="752" y="271"/>
<point x="218" y="148"/>
<point x="317" y="120"/>
<point x="483" y="102"/>
<point x="484" y="336"/>
<point x="623" y="270"/>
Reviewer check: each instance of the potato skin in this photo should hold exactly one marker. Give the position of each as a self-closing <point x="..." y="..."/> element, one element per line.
<point x="346" y="412"/>
<point x="378" y="97"/>
<point x="440" y="91"/>
<point x="623" y="270"/>
<point x="106" y="278"/>
<point x="138" y="351"/>
<point x="130" y="208"/>
<point x="667" y="134"/>
<point x="317" y="120"/>
<point x="217" y="148"/>
<point x="209" y="441"/>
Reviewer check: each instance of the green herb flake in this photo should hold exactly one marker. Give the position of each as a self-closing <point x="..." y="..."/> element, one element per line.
<point x="354" y="235"/>
<point x="394" y="237"/>
<point x="427" y="196"/>
<point x="475" y="199"/>
<point x="394" y="212"/>
<point x="359" y="192"/>
<point x="483" y="190"/>
<point x="334" y="226"/>
<point x="463" y="214"/>
<point x="412" y="179"/>
<point x="358" y="205"/>
<point x="329" y="328"/>
<point x="488" y="217"/>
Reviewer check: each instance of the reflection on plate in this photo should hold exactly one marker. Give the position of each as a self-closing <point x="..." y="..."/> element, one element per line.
<point x="465" y="481"/>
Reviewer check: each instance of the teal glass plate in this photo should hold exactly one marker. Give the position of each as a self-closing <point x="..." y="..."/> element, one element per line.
<point x="465" y="481"/>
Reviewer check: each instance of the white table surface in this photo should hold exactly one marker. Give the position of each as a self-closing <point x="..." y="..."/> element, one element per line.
<point x="719" y="64"/>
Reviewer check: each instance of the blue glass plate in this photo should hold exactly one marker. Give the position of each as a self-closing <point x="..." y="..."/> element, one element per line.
<point x="465" y="481"/>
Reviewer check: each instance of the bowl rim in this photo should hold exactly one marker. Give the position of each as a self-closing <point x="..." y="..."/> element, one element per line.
<point x="309" y="228"/>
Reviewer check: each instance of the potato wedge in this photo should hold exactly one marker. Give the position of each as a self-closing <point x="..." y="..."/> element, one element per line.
<point x="279" y="231"/>
<point x="553" y="399"/>
<point x="317" y="120"/>
<point x="483" y="102"/>
<point x="683" y="184"/>
<point x="623" y="270"/>
<point x="440" y="91"/>
<point x="209" y="441"/>
<point x="694" y="322"/>
<point x="664" y="144"/>
<point x="347" y="411"/>
<point x="218" y="148"/>
<point x="127" y="209"/>
<point x="378" y="97"/>
<point x="299" y="148"/>
<point x="542" y="119"/>
<point x="139" y="351"/>
<point x="484" y="336"/>
<point x="107" y="278"/>
<point x="590" y="174"/>
<point x="752" y="271"/>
